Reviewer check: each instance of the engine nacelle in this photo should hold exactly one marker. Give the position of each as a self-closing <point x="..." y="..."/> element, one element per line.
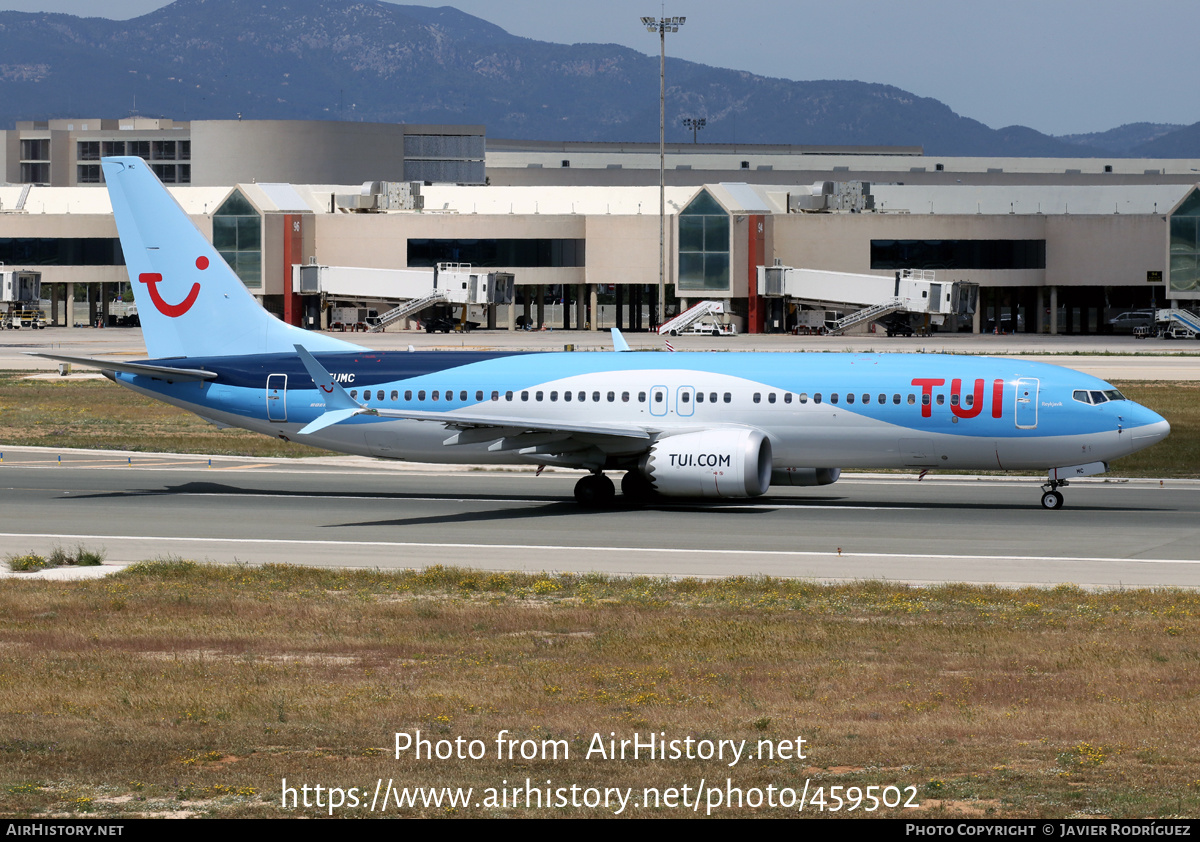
<point x="712" y="463"/>
<point x="805" y="476"/>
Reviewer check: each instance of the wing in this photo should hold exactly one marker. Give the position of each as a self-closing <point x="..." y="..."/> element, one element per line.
<point x="552" y="442"/>
<point x="546" y="442"/>
<point x="484" y="422"/>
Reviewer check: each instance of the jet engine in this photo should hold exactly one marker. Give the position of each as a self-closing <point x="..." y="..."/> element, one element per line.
<point x="711" y="463"/>
<point x="805" y="476"/>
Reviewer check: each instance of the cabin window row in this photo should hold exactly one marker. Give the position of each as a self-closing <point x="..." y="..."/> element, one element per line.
<point x="835" y="398"/>
<point x="526" y="395"/>
<point x="968" y="400"/>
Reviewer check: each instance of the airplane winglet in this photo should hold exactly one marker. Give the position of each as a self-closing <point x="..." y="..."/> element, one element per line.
<point x="339" y="406"/>
<point x="619" y="343"/>
<point x="327" y="419"/>
<point x="335" y="396"/>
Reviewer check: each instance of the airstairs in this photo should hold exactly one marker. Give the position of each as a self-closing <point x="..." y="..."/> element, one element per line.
<point x="690" y="316"/>
<point x="1178" y="324"/>
<point x="407" y="309"/>
<point x="875" y="311"/>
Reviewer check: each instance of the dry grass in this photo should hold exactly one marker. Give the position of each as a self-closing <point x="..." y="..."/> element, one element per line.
<point x="100" y="414"/>
<point x="176" y="688"/>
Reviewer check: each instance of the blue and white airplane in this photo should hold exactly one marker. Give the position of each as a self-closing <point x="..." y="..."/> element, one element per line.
<point x="678" y="425"/>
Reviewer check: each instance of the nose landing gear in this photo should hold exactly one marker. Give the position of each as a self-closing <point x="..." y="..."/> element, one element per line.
<point x="1051" y="497"/>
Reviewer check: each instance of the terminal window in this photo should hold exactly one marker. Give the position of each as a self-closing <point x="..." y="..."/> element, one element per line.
<point x="1185" y="245"/>
<point x="237" y="235"/>
<point x="704" y="245"/>
<point x="521" y="253"/>
<point x="958" y="254"/>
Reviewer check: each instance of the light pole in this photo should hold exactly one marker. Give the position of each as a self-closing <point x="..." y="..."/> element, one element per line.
<point x="695" y="124"/>
<point x="662" y="26"/>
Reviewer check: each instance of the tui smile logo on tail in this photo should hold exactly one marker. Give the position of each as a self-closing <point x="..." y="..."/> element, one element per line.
<point x="174" y="311"/>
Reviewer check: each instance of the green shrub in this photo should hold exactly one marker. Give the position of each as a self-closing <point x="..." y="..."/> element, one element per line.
<point x="26" y="563"/>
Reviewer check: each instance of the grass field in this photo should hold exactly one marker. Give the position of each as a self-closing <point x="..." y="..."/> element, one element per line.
<point x="180" y="689"/>
<point x="99" y="414"/>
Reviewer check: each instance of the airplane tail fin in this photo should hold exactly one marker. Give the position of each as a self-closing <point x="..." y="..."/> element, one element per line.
<point x="191" y="304"/>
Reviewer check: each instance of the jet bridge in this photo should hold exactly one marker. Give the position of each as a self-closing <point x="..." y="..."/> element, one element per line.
<point x="869" y="297"/>
<point x="408" y="291"/>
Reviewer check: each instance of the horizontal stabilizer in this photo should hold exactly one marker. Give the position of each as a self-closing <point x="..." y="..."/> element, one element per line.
<point x="161" y="372"/>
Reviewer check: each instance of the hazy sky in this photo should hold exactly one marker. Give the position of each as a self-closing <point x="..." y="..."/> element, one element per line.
<point x="1058" y="66"/>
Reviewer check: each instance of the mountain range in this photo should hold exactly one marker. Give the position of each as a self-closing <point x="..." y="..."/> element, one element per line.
<point x="379" y="62"/>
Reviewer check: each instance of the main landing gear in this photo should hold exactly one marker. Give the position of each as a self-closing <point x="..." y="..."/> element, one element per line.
<point x="1051" y="497"/>
<point x="595" y="491"/>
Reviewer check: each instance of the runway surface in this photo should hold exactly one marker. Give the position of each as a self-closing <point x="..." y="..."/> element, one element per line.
<point x="362" y="513"/>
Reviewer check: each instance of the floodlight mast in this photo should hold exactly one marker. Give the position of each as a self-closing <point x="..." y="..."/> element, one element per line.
<point x="695" y="124"/>
<point x="662" y="26"/>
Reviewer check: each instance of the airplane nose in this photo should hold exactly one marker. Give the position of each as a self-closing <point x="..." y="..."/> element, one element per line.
<point x="1148" y="427"/>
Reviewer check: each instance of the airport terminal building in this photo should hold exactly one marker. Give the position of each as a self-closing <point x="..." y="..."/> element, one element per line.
<point x="1054" y="245"/>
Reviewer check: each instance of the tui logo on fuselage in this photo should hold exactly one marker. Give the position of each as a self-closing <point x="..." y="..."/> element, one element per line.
<point x="957" y="406"/>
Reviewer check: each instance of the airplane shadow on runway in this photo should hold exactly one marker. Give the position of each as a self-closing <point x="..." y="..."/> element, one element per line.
<point x="560" y="508"/>
<point x="532" y="506"/>
<point x="540" y="506"/>
<point x="215" y="488"/>
<point x="758" y="506"/>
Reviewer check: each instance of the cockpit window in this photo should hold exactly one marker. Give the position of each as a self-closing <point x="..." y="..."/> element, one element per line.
<point x="1097" y="396"/>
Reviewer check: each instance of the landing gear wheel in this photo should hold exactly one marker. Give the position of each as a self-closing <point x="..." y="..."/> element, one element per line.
<point x="636" y="489"/>
<point x="1052" y="500"/>
<point x="1051" y="497"/>
<point x="595" y="491"/>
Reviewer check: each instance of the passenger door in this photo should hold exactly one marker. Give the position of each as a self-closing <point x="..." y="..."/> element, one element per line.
<point x="277" y="397"/>
<point x="1027" y="403"/>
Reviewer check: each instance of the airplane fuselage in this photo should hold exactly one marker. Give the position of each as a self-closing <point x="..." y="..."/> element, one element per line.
<point x="818" y="410"/>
